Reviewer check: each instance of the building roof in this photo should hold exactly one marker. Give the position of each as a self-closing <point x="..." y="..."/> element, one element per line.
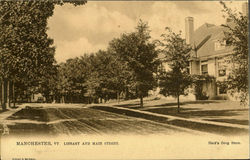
<point x="206" y="36"/>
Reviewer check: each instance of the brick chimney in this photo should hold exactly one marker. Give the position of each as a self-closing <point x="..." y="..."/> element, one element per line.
<point x="189" y="29"/>
<point x="245" y="9"/>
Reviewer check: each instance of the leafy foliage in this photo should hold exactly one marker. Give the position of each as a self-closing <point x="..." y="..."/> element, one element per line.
<point x="140" y="55"/>
<point x="26" y="51"/>
<point x="237" y="36"/>
<point x="175" y="81"/>
<point x="96" y="76"/>
<point x="198" y="81"/>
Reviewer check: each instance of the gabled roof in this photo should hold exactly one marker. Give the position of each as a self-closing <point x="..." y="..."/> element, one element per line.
<point x="205" y="37"/>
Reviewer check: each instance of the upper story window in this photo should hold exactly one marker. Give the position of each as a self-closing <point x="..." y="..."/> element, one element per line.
<point x="221" y="69"/>
<point x="219" y="45"/>
<point x="204" y="69"/>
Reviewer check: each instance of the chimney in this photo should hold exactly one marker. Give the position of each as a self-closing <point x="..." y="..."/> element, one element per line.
<point x="189" y="28"/>
<point x="245" y="9"/>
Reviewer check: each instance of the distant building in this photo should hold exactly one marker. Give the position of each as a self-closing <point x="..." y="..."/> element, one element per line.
<point x="37" y="98"/>
<point x="209" y="54"/>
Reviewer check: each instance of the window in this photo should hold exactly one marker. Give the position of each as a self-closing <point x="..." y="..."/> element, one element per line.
<point x="204" y="69"/>
<point x="218" y="45"/>
<point x="221" y="69"/>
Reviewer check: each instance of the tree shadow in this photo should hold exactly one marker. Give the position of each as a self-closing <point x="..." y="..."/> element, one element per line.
<point x="128" y="105"/>
<point x="187" y="102"/>
<point x="211" y="128"/>
<point x="30" y="129"/>
<point x="194" y="112"/>
<point x="37" y="114"/>
<point x="136" y="105"/>
<point x="201" y="102"/>
<point x="232" y="121"/>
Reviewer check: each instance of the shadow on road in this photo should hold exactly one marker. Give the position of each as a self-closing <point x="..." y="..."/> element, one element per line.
<point x="29" y="113"/>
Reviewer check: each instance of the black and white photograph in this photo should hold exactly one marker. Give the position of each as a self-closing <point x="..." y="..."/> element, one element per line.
<point x="124" y="79"/>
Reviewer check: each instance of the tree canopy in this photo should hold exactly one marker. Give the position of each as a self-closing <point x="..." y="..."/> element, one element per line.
<point x="26" y="51"/>
<point x="141" y="57"/>
<point x="177" y="79"/>
<point x="237" y="36"/>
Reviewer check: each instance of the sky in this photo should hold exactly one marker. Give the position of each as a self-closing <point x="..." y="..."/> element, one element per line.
<point x="86" y="29"/>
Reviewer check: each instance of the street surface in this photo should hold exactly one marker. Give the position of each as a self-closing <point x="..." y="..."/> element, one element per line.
<point x="60" y="119"/>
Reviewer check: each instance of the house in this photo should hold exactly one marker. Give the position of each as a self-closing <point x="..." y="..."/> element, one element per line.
<point x="209" y="55"/>
<point x="37" y="98"/>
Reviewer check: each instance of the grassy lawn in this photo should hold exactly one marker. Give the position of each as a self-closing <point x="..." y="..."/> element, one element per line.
<point x="211" y="110"/>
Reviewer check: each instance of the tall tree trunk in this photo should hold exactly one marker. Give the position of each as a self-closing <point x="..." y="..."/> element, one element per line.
<point x="126" y="93"/>
<point x="54" y="99"/>
<point x="62" y="99"/>
<point x="178" y="103"/>
<point x="13" y="95"/>
<point x="118" y="97"/>
<point x="8" y="94"/>
<point x="1" y="93"/>
<point x="141" y="101"/>
<point x="3" y="96"/>
<point x="105" y="99"/>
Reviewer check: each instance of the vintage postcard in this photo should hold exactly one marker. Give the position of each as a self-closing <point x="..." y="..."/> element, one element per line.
<point x="124" y="80"/>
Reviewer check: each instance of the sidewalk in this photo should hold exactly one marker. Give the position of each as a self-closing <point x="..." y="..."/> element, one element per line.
<point x="190" y="123"/>
<point x="9" y="112"/>
<point x="4" y="115"/>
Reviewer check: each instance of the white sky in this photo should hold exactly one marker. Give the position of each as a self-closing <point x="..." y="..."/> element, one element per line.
<point x="88" y="28"/>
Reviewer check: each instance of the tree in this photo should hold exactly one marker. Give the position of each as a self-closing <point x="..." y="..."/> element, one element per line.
<point x="121" y="76"/>
<point x="71" y="78"/>
<point x="140" y="55"/>
<point x="26" y="51"/>
<point x="175" y="81"/>
<point x="109" y="75"/>
<point x="106" y="76"/>
<point x="48" y="84"/>
<point x="237" y="36"/>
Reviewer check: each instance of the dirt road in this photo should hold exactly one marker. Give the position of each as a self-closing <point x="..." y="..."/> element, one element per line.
<point x="73" y="120"/>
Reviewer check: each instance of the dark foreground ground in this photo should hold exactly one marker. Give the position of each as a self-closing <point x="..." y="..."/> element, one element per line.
<point x="79" y="120"/>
